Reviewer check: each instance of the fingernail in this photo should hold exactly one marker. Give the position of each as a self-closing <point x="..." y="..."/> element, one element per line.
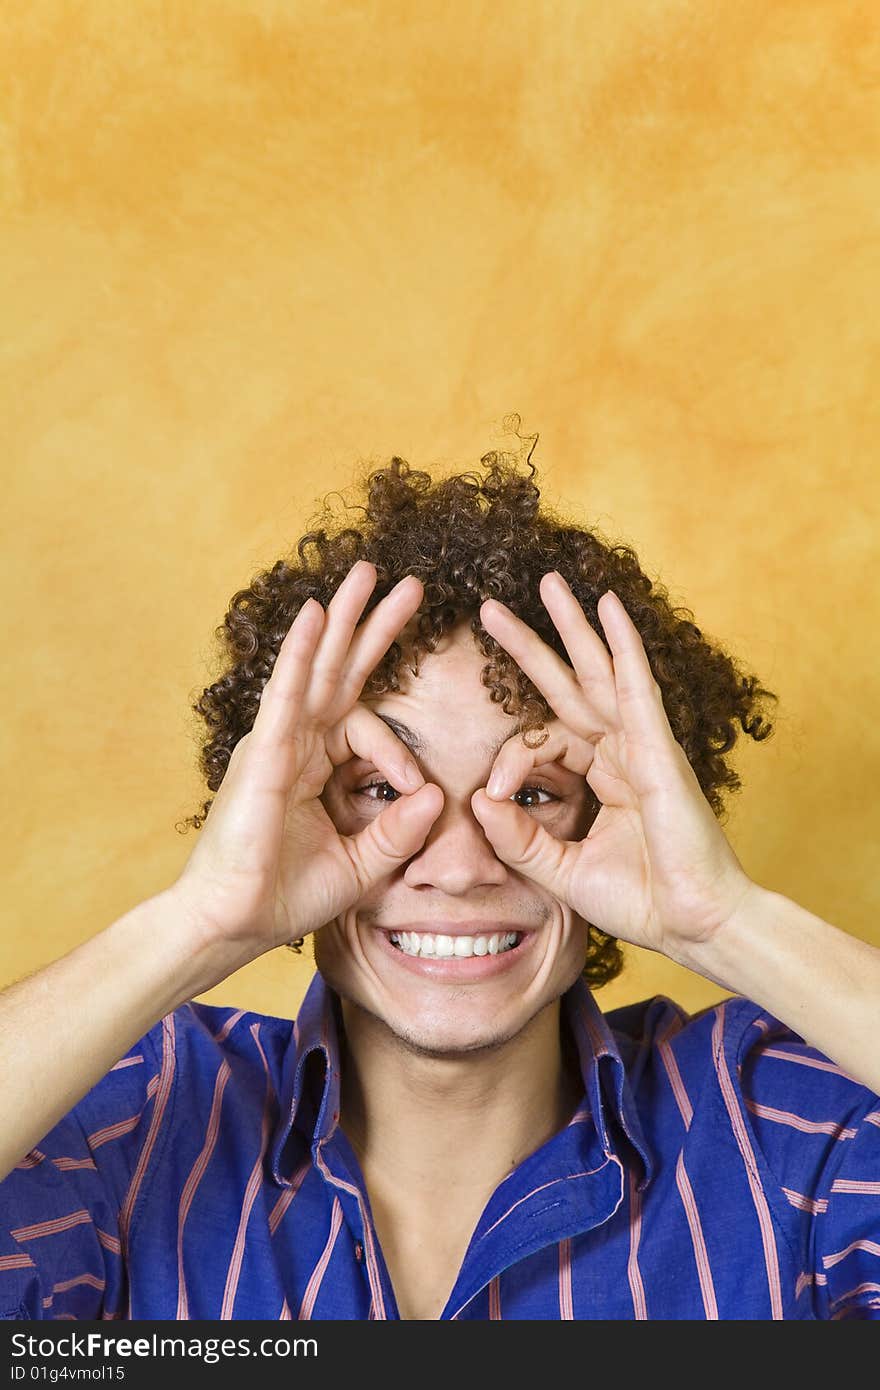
<point x="411" y="776"/>
<point x="495" y="783"/>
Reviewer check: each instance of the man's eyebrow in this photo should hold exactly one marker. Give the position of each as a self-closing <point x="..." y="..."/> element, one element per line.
<point x="406" y="735"/>
<point x="416" y="744"/>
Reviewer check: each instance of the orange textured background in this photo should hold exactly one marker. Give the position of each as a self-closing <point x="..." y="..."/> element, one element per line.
<point x="246" y="246"/>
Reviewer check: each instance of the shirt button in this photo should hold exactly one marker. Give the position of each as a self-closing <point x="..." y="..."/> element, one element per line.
<point x="358" y="1251"/>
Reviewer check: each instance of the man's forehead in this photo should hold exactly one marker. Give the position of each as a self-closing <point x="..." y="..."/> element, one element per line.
<point x="456" y="664"/>
<point x="449" y="683"/>
<point x="420" y="744"/>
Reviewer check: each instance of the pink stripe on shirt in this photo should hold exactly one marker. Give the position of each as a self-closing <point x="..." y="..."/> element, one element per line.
<point x="91" y="1279"/>
<point x="737" y="1120"/>
<point x="21" y="1261"/>
<point x="854" y="1293"/>
<point x="253" y="1187"/>
<point x="164" y="1086"/>
<point x="805" y="1280"/>
<point x="701" y="1255"/>
<point x="377" y="1307"/>
<point x="31" y="1159"/>
<point x="637" y="1288"/>
<point x="494" y="1299"/>
<point x="784" y="1117"/>
<point x="114" y="1131"/>
<point x="870" y="1245"/>
<point x="228" y="1026"/>
<point x="667" y="1056"/>
<point x="224" y="1071"/>
<point x="288" y="1195"/>
<point x="53" y="1227"/>
<point x="543" y="1187"/>
<point x="314" y="1285"/>
<point x="815" y="1062"/>
<point x="816" y="1205"/>
<point x="565" y="1303"/>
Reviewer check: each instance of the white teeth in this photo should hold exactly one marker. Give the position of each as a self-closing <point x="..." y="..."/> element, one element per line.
<point x="418" y="944"/>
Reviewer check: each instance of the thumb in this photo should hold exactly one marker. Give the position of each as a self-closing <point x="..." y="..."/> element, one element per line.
<point x="394" y="836"/>
<point x="525" y="845"/>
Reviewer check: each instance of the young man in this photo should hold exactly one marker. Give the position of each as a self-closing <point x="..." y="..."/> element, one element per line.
<point x="469" y="747"/>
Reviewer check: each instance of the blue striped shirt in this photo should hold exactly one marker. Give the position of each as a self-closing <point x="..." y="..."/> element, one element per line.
<point x="716" y="1167"/>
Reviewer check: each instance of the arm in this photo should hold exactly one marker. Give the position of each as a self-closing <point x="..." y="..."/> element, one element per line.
<point x="64" y="1027"/>
<point x="822" y="982"/>
<point x="656" y="868"/>
<point x="268" y="866"/>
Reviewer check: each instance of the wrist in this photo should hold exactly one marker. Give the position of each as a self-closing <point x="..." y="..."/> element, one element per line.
<point x="186" y="958"/>
<point x="723" y="956"/>
<point x="820" y="981"/>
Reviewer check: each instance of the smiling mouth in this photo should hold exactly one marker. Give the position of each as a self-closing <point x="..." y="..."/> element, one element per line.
<point x="439" y="947"/>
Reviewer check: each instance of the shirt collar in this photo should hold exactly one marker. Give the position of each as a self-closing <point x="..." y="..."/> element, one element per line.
<point x="606" y="1083"/>
<point x="309" y="1103"/>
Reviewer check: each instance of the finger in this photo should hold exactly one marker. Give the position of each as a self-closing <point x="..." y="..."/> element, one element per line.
<point x="548" y="672"/>
<point x="526" y="846"/>
<point x="396" y="834"/>
<point x="362" y="734"/>
<point x="373" y="638"/>
<point x="587" y="652"/>
<point x="282" y="696"/>
<point x="515" y="760"/>
<point x="343" y="613"/>
<point x="639" y="697"/>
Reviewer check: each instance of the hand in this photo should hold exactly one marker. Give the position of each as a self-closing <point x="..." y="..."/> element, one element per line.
<point x="269" y="865"/>
<point x="655" y="868"/>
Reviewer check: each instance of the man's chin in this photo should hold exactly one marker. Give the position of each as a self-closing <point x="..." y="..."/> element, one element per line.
<point x="436" y="1023"/>
<point x="444" y="1046"/>
<point x="440" y="1037"/>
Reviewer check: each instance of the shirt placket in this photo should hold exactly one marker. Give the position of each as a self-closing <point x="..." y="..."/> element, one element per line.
<point x="535" y="1208"/>
<point x="337" y="1164"/>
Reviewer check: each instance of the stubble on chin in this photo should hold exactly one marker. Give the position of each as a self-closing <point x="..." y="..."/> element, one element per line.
<point x="408" y="1038"/>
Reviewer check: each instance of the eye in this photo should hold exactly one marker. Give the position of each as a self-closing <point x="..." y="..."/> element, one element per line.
<point x="382" y="790"/>
<point x="532" y="793"/>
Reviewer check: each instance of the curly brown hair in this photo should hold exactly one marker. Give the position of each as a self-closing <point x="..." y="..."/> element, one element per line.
<point x="470" y="537"/>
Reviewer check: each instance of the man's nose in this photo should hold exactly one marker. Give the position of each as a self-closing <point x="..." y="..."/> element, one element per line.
<point x="456" y="855"/>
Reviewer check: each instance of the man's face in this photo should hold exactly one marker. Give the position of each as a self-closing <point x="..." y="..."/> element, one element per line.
<point x="455" y="886"/>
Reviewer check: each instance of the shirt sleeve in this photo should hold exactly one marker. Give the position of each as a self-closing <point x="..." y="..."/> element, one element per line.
<point x="818" y="1129"/>
<point x="847" y="1241"/>
<point x="64" y="1208"/>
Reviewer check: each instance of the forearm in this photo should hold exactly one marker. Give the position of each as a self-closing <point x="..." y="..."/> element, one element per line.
<point x="819" y="980"/>
<point x="64" y="1027"/>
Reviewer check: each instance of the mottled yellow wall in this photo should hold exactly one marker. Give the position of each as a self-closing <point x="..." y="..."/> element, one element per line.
<point x="246" y="245"/>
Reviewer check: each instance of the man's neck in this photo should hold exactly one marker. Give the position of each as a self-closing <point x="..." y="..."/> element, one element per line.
<point x="425" y="1127"/>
